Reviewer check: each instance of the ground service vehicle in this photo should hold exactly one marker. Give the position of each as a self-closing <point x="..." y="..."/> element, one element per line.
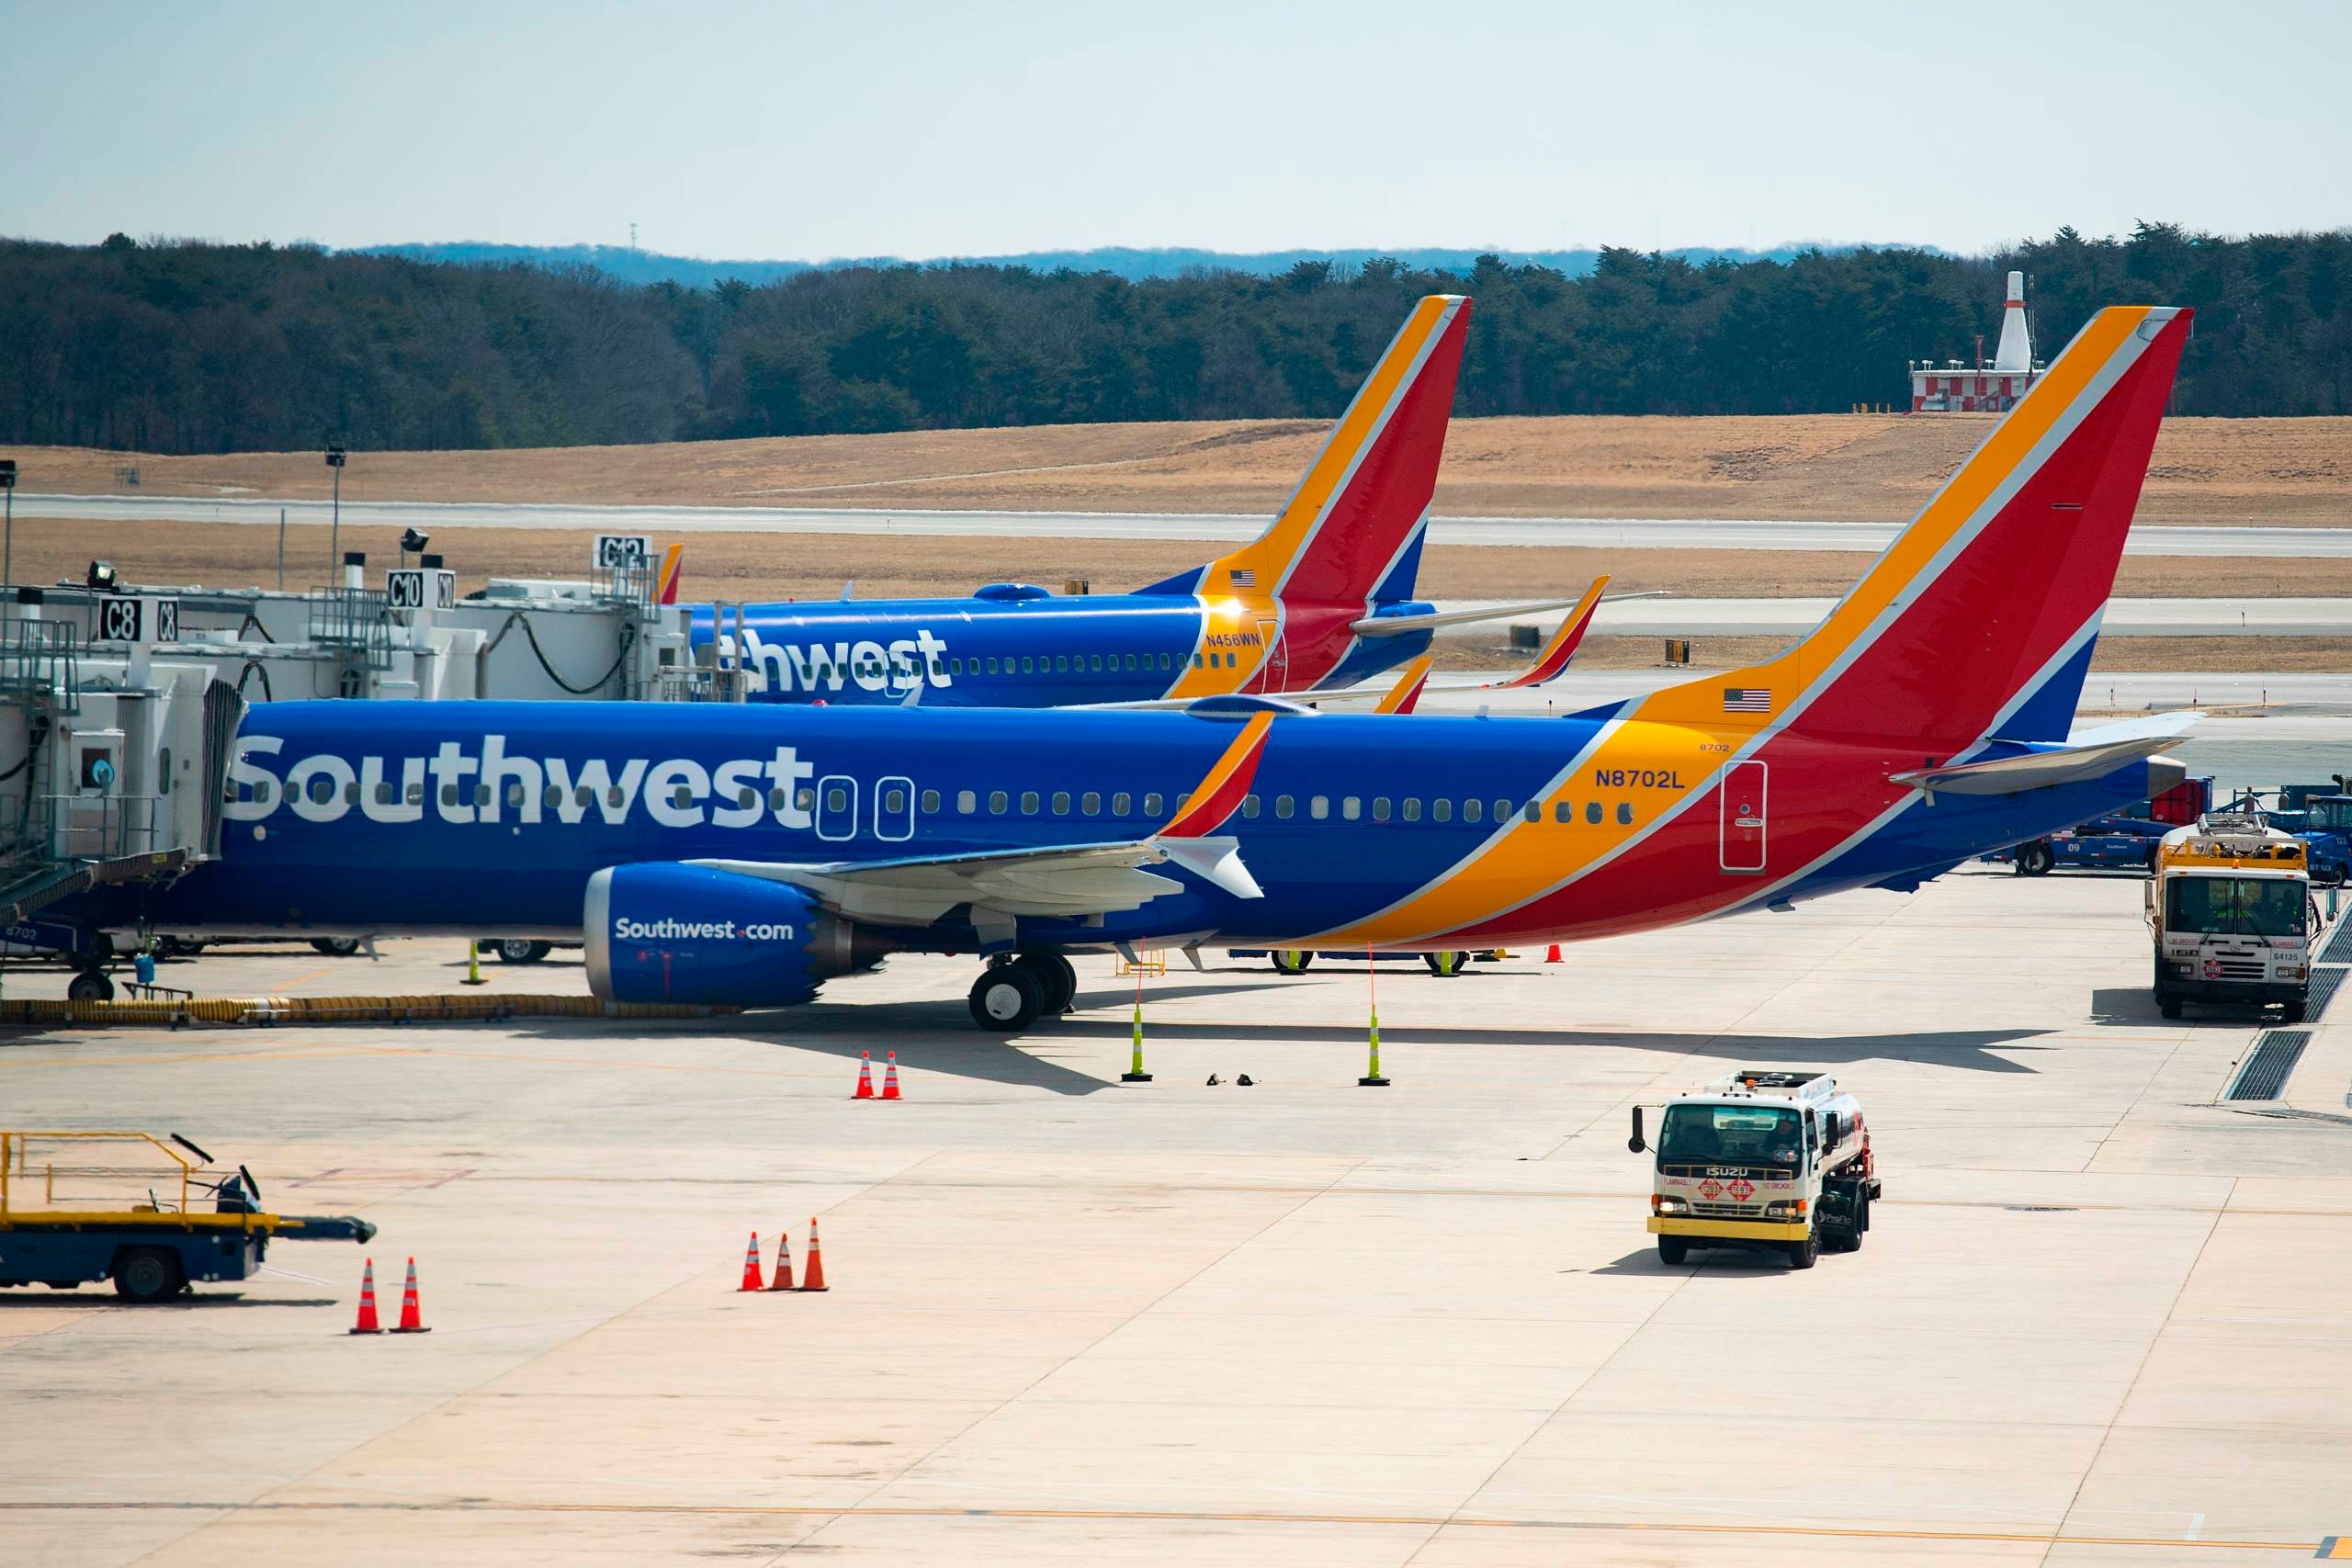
<point x="2326" y="833"/>
<point x="1769" y="1159"/>
<point x="2230" y="910"/>
<point x="130" y="1207"/>
<point x="2127" y="844"/>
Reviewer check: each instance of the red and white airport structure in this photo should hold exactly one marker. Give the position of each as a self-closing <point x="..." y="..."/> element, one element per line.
<point x="1956" y="388"/>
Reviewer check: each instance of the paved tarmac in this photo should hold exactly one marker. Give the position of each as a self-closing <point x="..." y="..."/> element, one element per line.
<point x="1737" y="534"/>
<point x="2099" y="1318"/>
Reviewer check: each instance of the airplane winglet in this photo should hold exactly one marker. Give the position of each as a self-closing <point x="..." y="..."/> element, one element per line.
<point x="1220" y="794"/>
<point x="1405" y="695"/>
<point x="1214" y="860"/>
<point x="1565" y="642"/>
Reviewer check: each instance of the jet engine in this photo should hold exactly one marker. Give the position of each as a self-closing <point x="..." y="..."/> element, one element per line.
<point x="666" y="932"/>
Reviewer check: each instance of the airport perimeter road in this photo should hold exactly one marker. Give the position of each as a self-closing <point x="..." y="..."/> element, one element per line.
<point x="2098" y="1319"/>
<point x="1737" y="534"/>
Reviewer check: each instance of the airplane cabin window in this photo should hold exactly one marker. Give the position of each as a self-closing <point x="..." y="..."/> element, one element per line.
<point x="1249" y="807"/>
<point x="998" y="802"/>
<point x="1061" y="802"/>
<point x="682" y="797"/>
<point x="1024" y="664"/>
<point x="1094" y="662"/>
<point x="1504" y="810"/>
<point x="1090" y="804"/>
<point x="1196" y="662"/>
<point x="1182" y="801"/>
<point x="991" y="665"/>
<point x="1028" y="803"/>
<point x="775" y="800"/>
<point x="1284" y="806"/>
<point x="1151" y="806"/>
<point x="1441" y="810"/>
<point x="1532" y="811"/>
<point x="1592" y="811"/>
<point x="836" y="799"/>
<point x="1380" y="808"/>
<point x="448" y="795"/>
<point x="746" y="797"/>
<point x="1166" y="662"/>
<point x="1320" y="807"/>
<point x="1119" y="803"/>
<point x="615" y="798"/>
<point x="1131" y="662"/>
<point x="384" y="794"/>
<point x="1474" y="810"/>
<point x="1412" y="808"/>
<point x="481" y="795"/>
<point x="1625" y="812"/>
<point x="416" y="795"/>
<point x="894" y="800"/>
<point x="1061" y="665"/>
<point x="1351" y="808"/>
<point x="1562" y="812"/>
<point x="967" y="803"/>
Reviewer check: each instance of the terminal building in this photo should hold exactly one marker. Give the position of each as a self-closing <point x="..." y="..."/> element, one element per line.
<point x="1957" y="387"/>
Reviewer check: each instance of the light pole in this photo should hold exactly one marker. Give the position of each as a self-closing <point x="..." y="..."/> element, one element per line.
<point x="8" y="547"/>
<point x="335" y="533"/>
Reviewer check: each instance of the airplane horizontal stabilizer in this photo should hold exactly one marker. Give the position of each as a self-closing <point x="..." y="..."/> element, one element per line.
<point x="2091" y="755"/>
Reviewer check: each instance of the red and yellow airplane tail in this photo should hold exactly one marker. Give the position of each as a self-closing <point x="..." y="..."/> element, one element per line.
<point x="1352" y="530"/>
<point x="1565" y="642"/>
<point x="1979" y="619"/>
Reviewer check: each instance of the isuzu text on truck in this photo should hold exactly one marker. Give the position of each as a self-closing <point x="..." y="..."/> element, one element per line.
<point x="2230" y="910"/>
<point x="1772" y="1160"/>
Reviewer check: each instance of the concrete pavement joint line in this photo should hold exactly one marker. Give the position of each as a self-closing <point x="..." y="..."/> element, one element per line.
<point x="1031" y="1387"/>
<point x="542" y="1354"/>
<point x="2141" y="1370"/>
<point x="1153" y="1516"/>
<point x="1567" y="1399"/>
<point x="2137" y="1101"/>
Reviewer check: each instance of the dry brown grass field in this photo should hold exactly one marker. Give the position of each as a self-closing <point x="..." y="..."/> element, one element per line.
<point x="1828" y="466"/>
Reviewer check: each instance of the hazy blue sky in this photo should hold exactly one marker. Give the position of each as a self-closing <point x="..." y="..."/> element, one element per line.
<point x="783" y="131"/>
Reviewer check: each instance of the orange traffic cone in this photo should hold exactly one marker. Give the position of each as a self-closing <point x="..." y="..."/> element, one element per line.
<point x="864" y="1076"/>
<point x="890" y="1077"/>
<point x="815" y="1279"/>
<point x="751" y="1265"/>
<point x="367" y="1324"/>
<point x="412" y="1320"/>
<point x="783" y="1281"/>
<point x="1553" y="956"/>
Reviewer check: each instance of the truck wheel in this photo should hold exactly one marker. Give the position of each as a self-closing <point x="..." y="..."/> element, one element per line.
<point x="1291" y="960"/>
<point x="515" y="950"/>
<point x="2035" y="859"/>
<point x="90" y="986"/>
<point x="2167" y="1004"/>
<point x="1802" y="1253"/>
<point x="1672" y="1250"/>
<point x="336" y="946"/>
<point x="147" y="1274"/>
<point x="1858" y="1218"/>
<point x="2291" y="1012"/>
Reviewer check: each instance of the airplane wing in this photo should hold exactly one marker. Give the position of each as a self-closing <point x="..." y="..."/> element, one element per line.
<point x="1404" y="696"/>
<point x="1063" y="881"/>
<point x="1397" y="626"/>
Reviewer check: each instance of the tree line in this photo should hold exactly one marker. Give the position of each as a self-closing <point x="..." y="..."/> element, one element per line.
<point x="188" y="347"/>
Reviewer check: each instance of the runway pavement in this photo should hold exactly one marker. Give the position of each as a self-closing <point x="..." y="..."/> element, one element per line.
<point x="1709" y="534"/>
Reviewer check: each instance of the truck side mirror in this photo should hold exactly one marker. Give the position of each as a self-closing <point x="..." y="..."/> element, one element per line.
<point x="1635" y="1142"/>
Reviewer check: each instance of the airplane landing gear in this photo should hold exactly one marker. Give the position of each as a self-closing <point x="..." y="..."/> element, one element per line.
<point x="1007" y="998"/>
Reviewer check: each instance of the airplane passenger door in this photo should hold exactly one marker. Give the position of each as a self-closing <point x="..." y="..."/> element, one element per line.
<point x="837" y="807"/>
<point x="894" y="809"/>
<point x="1276" y="664"/>
<point x="1741" y="819"/>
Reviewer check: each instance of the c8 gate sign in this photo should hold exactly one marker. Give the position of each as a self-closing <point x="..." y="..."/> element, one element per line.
<point x="137" y="620"/>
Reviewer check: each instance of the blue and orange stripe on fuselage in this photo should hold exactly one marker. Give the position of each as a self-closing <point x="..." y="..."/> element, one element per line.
<point x="1340" y="823"/>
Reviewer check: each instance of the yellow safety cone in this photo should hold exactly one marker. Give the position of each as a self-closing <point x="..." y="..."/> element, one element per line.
<point x="1372" y="1079"/>
<point x="473" y="964"/>
<point x="1135" y="1073"/>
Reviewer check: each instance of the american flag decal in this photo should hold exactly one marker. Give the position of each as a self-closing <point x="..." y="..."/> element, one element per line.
<point x="1245" y="577"/>
<point x="1747" y="699"/>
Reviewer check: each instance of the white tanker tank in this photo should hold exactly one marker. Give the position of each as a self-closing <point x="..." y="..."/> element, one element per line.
<point x="1768" y="1159"/>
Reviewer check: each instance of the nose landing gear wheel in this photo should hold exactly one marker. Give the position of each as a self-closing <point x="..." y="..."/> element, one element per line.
<point x="1006" y="999"/>
<point x="1445" y="965"/>
<point x="515" y="950"/>
<point x="90" y="986"/>
<point x="1291" y="960"/>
